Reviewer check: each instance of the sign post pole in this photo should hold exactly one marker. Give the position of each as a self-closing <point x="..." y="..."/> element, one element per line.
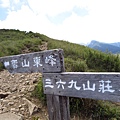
<point x="58" y="106"/>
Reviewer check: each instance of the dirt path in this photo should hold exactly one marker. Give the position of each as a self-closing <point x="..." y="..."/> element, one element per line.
<point x="15" y="91"/>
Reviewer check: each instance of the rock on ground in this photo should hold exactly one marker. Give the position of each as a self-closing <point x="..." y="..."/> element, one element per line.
<point x="10" y="116"/>
<point x="15" y="90"/>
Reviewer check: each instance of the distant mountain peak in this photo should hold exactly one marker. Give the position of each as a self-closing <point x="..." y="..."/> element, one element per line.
<point x="94" y="43"/>
<point x="110" y="47"/>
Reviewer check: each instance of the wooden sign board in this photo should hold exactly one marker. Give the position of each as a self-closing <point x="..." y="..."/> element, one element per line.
<point x="45" y="61"/>
<point x="104" y="86"/>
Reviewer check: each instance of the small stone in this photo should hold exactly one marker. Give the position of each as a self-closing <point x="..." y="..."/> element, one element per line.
<point x="5" y="101"/>
<point x="21" y="95"/>
<point x="11" y="103"/>
<point x="4" y="109"/>
<point x="22" y="109"/>
<point x="35" y="80"/>
<point x="31" y="88"/>
<point x="27" y="82"/>
<point x="16" y="110"/>
<point x="14" y="97"/>
<point x="12" y="109"/>
<point x="20" y="106"/>
<point x="20" y="81"/>
<point x="14" y="89"/>
<point x="23" y="89"/>
<point x="1" y="99"/>
<point x="22" y="76"/>
<point x="12" y="76"/>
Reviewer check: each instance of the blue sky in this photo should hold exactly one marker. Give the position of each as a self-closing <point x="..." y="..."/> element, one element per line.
<point x="77" y="21"/>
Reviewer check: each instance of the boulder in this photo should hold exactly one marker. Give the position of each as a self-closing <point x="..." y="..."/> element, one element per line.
<point x="10" y="116"/>
<point x="32" y="107"/>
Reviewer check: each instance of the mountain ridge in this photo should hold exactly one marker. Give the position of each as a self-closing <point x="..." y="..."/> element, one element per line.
<point x="116" y="44"/>
<point x="105" y="47"/>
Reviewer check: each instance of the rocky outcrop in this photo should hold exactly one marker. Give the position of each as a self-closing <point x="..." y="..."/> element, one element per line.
<point x="15" y="91"/>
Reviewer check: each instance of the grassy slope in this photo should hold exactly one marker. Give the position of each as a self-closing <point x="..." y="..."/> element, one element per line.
<point x="77" y="58"/>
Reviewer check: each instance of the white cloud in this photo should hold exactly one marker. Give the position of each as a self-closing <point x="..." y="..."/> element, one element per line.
<point x="102" y="22"/>
<point x="54" y="7"/>
<point x="5" y="3"/>
<point x="51" y="7"/>
<point x="26" y="20"/>
<point x="16" y="1"/>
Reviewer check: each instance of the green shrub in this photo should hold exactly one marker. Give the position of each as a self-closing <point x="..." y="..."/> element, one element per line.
<point x="35" y="118"/>
<point x="38" y="92"/>
<point x="1" y="67"/>
<point x="75" y="66"/>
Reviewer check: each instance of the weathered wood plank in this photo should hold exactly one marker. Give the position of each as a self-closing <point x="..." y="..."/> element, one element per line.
<point x="104" y="86"/>
<point x="53" y="106"/>
<point x="44" y="61"/>
<point x="58" y="106"/>
<point x="64" y="108"/>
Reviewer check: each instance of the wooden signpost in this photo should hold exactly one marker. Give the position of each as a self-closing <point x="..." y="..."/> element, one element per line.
<point x="45" y="61"/>
<point x="60" y="85"/>
<point x="49" y="61"/>
<point x="102" y="86"/>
